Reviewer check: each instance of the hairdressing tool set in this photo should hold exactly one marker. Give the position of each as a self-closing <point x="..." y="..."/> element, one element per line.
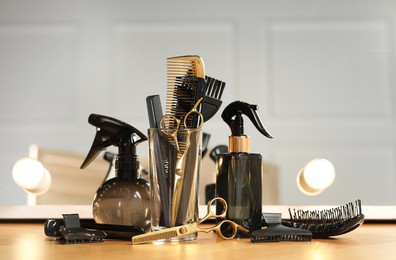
<point x="176" y="143"/>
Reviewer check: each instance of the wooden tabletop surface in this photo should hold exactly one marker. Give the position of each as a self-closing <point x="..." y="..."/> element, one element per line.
<point x="370" y="241"/>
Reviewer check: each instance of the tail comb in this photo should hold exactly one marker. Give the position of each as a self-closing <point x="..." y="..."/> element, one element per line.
<point x="329" y="222"/>
<point x="276" y="232"/>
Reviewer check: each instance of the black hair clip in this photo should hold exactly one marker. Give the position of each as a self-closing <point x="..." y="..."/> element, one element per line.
<point x="72" y="232"/>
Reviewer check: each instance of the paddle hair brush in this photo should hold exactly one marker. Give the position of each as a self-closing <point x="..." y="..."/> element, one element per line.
<point x="328" y="222"/>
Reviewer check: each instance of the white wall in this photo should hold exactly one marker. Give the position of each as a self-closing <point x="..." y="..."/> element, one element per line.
<point x="322" y="73"/>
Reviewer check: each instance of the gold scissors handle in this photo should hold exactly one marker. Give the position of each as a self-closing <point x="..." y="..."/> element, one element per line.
<point x="194" y="227"/>
<point x="172" y="133"/>
<point x="193" y="111"/>
<point x="225" y="224"/>
<point x="211" y="214"/>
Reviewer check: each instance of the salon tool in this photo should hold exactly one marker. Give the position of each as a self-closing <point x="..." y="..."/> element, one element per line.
<point x="71" y="232"/>
<point x="276" y="232"/>
<point x="194" y="227"/>
<point x="218" y="149"/>
<point x="328" y="222"/>
<point x="52" y="228"/>
<point x="154" y="110"/>
<point x="239" y="172"/>
<point x="113" y="203"/>
<point x="185" y="86"/>
<point x="212" y="99"/>
<point x="182" y="181"/>
<point x="205" y="143"/>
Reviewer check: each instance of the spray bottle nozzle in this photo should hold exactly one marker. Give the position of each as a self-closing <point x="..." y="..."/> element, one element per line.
<point x="111" y="131"/>
<point x="232" y="115"/>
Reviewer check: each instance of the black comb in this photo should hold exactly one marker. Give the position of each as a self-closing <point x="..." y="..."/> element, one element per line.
<point x="154" y="110"/>
<point x="276" y="232"/>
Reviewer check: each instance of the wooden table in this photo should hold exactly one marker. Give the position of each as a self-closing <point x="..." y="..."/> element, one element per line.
<point x="370" y="241"/>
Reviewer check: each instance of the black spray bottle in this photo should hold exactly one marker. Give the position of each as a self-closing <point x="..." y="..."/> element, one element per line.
<point x="238" y="173"/>
<point x="124" y="199"/>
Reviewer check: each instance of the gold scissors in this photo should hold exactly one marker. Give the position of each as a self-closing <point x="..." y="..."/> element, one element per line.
<point x="181" y="156"/>
<point x="192" y="228"/>
<point x="172" y="132"/>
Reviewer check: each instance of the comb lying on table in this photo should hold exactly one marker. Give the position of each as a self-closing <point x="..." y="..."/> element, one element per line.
<point x="276" y="232"/>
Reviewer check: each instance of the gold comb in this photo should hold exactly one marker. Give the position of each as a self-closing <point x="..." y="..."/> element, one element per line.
<point x="185" y="85"/>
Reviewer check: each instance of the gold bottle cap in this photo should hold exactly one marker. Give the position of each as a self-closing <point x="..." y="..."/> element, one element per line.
<point x="239" y="144"/>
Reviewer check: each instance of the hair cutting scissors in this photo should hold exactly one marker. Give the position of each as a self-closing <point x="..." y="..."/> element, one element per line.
<point x="172" y="132"/>
<point x="182" y="150"/>
<point x="192" y="228"/>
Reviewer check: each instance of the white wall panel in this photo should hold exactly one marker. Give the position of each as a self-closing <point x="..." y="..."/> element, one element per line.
<point x="38" y="71"/>
<point x="140" y="56"/>
<point x="331" y="68"/>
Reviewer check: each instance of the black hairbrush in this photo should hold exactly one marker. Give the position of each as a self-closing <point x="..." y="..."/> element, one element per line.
<point x="329" y="222"/>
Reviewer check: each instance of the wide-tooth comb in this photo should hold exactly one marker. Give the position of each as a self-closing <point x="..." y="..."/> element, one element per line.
<point x="212" y="99"/>
<point x="185" y="86"/>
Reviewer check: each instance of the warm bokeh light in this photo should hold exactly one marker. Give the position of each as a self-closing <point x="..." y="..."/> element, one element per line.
<point x="30" y="175"/>
<point x="316" y="176"/>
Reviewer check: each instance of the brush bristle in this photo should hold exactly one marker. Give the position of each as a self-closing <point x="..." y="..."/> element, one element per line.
<point x="214" y="87"/>
<point x="276" y="231"/>
<point x="279" y="238"/>
<point x="324" y="223"/>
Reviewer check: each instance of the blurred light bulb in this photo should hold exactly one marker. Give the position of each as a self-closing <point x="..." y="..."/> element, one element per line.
<point x="30" y="175"/>
<point x="315" y="177"/>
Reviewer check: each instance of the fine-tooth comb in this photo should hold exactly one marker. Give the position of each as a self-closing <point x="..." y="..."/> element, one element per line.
<point x="185" y="86"/>
<point x="276" y="232"/>
<point x="212" y="99"/>
<point x="328" y="222"/>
